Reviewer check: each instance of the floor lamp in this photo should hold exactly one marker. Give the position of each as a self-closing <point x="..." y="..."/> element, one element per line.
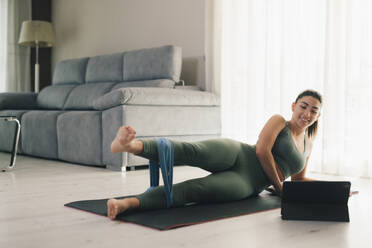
<point x="36" y="34"/>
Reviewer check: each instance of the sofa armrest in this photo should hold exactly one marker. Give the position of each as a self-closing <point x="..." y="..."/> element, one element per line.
<point x="156" y="96"/>
<point x="18" y="100"/>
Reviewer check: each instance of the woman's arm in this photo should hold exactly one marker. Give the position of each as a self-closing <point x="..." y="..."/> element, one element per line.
<point x="301" y="175"/>
<point x="265" y="143"/>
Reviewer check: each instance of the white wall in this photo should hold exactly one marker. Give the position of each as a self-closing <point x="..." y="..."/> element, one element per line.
<point x="95" y="27"/>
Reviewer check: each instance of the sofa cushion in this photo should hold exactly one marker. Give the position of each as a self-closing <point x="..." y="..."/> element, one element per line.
<point x="83" y="96"/>
<point x="54" y="96"/>
<point x="155" y="97"/>
<point x="70" y="71"/>
<point x="39" y="133"/>
<point x="161" y="83"/>
<point x="106" y="68"/>
<point x="80" y="137"/>
<point x="153" y="63"/>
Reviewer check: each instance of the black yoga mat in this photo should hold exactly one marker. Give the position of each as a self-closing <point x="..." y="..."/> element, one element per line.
<point x="164" y="219"/>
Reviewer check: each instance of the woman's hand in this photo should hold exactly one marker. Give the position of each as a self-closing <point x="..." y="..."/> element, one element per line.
<point x="279" y="188"/>
<point x="274" y="191"/>
<point x="354" y="192"/>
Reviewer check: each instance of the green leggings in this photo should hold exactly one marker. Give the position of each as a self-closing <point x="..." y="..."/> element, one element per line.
<point x="235" y="173"/>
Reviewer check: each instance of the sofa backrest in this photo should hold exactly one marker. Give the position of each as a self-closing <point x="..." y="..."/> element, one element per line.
<point x="78" y="82"/>
<point x="71" y="71"/>
<point x="154" y="63"/>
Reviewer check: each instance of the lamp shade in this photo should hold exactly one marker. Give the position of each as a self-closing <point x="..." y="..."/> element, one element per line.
<point x="36" y="32"/>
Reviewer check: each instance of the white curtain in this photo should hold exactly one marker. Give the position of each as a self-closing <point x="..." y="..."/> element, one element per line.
<point x="269" y="51"/>
<point x="3" y="41"/>
<point x="14" y="60"/>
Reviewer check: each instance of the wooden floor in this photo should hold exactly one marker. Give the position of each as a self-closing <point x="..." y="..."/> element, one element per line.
<point x="32" y="213"/>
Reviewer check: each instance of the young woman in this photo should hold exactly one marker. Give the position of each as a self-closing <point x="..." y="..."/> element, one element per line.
<point x="238" y="170"/>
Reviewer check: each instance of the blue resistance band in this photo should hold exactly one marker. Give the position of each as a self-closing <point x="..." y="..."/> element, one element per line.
<point x="166" y="161"/>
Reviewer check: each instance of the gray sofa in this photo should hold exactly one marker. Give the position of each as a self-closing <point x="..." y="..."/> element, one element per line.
<point x="76" y="118"/>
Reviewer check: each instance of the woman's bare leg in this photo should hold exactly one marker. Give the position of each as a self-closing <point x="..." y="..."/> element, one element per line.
<point x="124" y="141"/>
<point x="115" y="207"/>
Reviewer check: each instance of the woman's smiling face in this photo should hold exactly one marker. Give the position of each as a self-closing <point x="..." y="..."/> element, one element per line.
<point x="306" y="111"/>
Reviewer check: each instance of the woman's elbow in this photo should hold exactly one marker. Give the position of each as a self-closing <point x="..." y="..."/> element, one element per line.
<point x="262" y="153"/>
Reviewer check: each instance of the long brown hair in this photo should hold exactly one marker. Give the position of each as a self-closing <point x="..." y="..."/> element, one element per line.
<point x="313" y="129"/>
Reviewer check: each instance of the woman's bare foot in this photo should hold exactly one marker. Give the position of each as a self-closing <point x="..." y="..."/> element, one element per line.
<point x="115" y="207"/>
<point x="123" y="140"/>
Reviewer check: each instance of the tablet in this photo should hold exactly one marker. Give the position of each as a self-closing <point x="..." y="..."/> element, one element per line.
<point x="315" y="200"/>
